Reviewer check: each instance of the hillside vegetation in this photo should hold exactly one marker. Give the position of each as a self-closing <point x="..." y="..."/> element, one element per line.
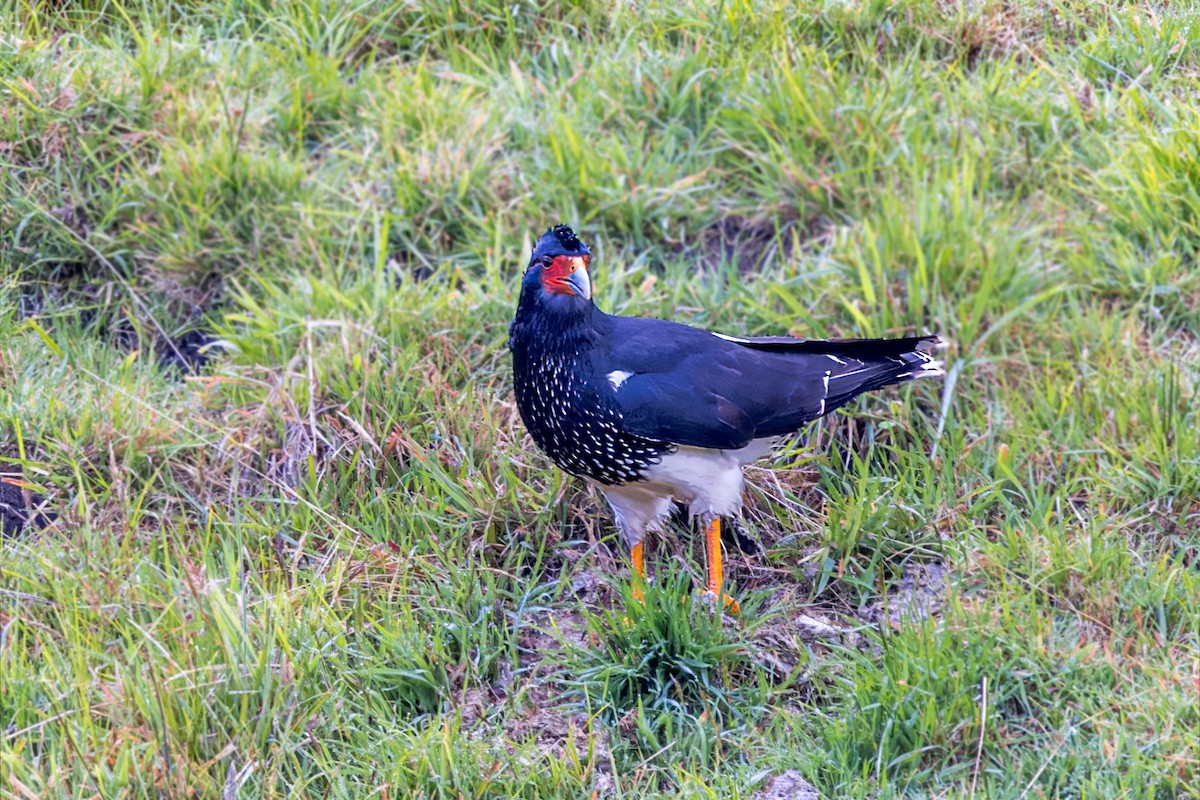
<point x="289" y="537"/>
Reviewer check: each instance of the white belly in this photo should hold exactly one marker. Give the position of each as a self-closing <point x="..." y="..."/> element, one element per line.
<point x="708" y="482"/>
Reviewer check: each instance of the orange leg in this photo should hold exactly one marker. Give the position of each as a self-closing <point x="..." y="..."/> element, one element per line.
<point x="639" y="570"/>
<point x="716" y="573"/>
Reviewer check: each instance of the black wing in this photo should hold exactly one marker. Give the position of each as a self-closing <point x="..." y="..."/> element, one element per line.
<point x="692" y="387"/>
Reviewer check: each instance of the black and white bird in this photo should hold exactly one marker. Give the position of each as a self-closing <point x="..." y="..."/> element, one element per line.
<point x="654" y="412"/>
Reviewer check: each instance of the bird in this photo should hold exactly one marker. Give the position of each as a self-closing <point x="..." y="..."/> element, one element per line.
<point x="654" y="412"/>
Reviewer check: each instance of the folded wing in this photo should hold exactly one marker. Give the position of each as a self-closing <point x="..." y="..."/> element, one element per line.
<point x="691" y="387"/>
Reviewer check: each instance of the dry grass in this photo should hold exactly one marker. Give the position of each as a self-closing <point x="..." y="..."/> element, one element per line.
<point x="259" y="263"/>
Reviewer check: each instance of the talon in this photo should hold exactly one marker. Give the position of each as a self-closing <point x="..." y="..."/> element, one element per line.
<point x="709" y="597"/>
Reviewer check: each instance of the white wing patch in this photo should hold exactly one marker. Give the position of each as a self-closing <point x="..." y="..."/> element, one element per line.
<point x="835" y="359"/>
<point x="824" y="380"/>
<point x="618" y="377"/>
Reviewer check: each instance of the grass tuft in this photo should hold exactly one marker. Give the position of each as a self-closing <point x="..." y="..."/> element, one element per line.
<point x="290" y="536"/>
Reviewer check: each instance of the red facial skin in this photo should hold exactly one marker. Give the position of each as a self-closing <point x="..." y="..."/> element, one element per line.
<point x="554" y="276"/>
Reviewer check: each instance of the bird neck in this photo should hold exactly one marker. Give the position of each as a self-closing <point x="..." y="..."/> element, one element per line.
<point x="553" y="325"/>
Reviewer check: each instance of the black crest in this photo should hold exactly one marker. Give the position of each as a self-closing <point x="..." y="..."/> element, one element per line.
<point x="559" y="241"/>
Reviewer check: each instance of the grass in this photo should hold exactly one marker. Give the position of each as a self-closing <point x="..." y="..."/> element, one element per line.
<point x="330" y="563"/>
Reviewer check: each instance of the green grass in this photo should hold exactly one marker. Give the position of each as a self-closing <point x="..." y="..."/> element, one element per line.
<point x="333" y="564"/>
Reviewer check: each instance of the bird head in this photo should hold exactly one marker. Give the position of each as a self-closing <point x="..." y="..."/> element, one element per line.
<point x="558" y="268"/>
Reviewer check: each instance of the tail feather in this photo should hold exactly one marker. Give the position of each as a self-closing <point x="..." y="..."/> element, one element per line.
<point x="859" y="349"/>
<point x="871" y="364"/>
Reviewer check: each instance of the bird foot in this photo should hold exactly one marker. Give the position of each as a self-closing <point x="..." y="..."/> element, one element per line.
<point x="709" y="597"/>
